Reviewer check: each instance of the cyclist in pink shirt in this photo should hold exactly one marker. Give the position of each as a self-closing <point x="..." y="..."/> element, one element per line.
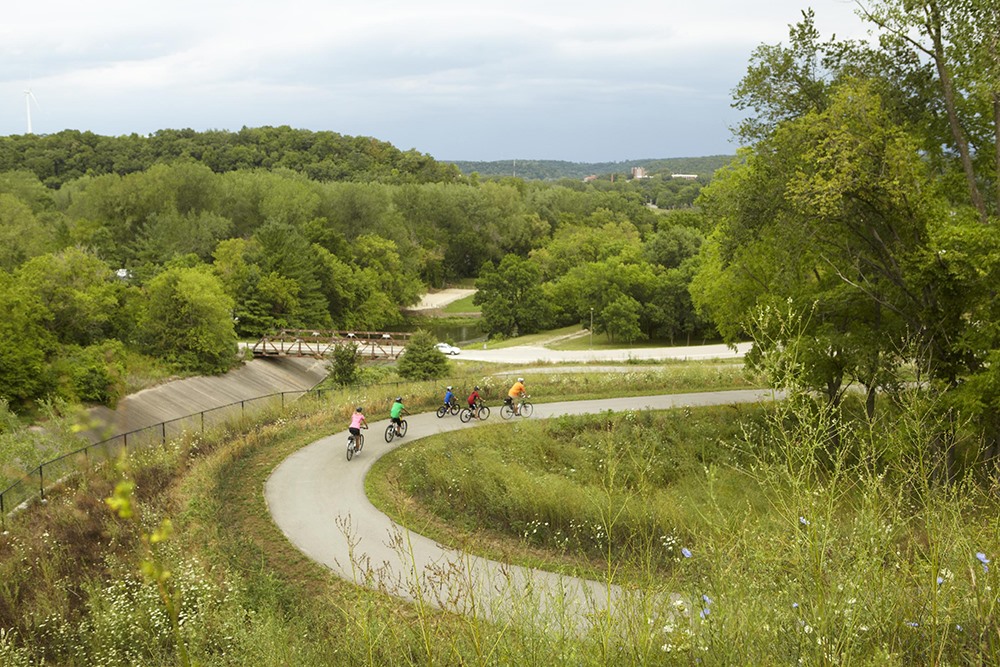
<point x="358" y="422"/>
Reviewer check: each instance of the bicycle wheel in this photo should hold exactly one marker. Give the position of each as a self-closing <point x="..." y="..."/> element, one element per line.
<point x="442" y="411"/>
<point x="526" y="409"/>
<point x="350" y="448"/>
<point x="484" y="412"/>
<point x="390" y="432"/>
<point x="402" y="428"/>
<point x="455" y="409"/>
<point x="506" y="411"/>
<point x="465" y="415"/>
<point x="361" y="441"/>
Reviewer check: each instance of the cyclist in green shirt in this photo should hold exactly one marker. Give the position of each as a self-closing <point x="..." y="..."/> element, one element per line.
<point x="396" y="412"/>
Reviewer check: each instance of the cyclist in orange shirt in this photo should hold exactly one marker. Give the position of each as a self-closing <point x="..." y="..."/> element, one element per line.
<point x="516" y="391"/>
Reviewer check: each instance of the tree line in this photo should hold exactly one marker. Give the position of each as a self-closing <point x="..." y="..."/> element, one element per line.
<point x="177" y="261"/>
<point x="56" y="159"/>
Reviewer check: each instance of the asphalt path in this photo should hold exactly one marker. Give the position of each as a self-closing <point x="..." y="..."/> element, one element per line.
<point x="317" y="499"/>
<point x="527" y="354"/>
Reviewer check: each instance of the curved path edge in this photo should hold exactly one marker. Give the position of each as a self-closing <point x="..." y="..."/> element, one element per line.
<point x="317" y="498"/>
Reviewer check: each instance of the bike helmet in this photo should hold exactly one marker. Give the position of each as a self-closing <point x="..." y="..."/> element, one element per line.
<point x="448" y="387"/>
<point x="520" y="379"/>
<point x="399" y="399"/>
<point x="476" y="389"/>
<point x="359" y="409"/>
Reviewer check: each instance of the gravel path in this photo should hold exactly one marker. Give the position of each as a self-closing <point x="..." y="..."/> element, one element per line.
<point x="318" y="500"/>
<point x="441" y="298"/>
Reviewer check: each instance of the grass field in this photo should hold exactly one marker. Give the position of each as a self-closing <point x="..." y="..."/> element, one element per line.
<point x="778" y="543"/>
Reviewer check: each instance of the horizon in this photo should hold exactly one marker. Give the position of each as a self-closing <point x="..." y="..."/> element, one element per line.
<point x="569" y="81"/>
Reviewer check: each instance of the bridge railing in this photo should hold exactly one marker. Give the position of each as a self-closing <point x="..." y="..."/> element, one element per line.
<point x="321" y="343"/>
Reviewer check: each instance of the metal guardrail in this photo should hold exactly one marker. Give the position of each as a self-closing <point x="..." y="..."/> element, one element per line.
<point x="35" y="481"/>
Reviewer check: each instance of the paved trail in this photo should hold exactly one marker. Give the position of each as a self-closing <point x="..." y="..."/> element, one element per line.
<point x="317" y="498"/>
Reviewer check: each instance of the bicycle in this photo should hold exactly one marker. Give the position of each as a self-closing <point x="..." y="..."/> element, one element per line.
<point x="524" y="409"/>
<point x="390" y="430"/>
<point x="354" y="446"/>
<point x="467" y="413"/>
<point x="449" y="408"/>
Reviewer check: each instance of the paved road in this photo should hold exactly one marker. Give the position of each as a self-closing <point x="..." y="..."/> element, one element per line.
<point x="526" y="354"/>
<point x="317" y="498"/>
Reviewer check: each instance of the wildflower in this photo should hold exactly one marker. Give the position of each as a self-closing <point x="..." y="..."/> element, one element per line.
<point x="958" y="627"/>
<point x="940" y="580"/>
<point x="707" y="600"/>
<point x="705" y="612"/>
<point x="804" y="521"/>
<point x="984" y="560"/>
<point x="795" y="605"/>
<point x="912" y="624"/>
<point x="686" y="552"/>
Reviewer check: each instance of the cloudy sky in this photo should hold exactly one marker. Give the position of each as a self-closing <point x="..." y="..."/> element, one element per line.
<point x="579" y="80"/>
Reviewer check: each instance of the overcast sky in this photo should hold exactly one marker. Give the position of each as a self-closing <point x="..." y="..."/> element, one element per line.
<point x="579" y="80"/>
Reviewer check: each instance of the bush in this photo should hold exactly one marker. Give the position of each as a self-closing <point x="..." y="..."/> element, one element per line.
<point x="95" y="373"/>
<point x="421" y="360"/>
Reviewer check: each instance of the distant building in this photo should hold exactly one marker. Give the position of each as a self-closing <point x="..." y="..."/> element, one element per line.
<point x="639" y="172"/>
<point x="588" y="179"/>
<point x="688" y="176"/>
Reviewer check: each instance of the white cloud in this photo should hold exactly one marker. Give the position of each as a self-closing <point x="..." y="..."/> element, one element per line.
<point x="459" y="80"/>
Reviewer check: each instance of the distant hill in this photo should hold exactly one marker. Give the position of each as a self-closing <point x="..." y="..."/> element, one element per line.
<point x="549" y="170"/>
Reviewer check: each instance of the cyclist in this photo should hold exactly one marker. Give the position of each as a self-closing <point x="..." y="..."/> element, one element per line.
<point x="474" y="402"/>
<point x="449" y="397"/>
<point x="358" y="422"/>
<point x="396" y="413"/>
<point x="516" y="391"/>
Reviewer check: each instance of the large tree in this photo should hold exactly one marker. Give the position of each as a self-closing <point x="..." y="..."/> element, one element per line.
<point x="189" y="320"/>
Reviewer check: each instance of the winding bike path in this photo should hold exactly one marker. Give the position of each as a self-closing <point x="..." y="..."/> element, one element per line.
<point x="317" y="498"/>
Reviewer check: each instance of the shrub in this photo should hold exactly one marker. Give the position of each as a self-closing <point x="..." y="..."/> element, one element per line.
<point x="421" y="360"/>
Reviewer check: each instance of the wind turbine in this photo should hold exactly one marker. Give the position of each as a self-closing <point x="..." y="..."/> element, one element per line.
<point x="28" y="97"/>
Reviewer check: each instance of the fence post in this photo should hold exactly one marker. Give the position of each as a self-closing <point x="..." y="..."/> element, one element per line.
<point x="163" y="433"/>
<point x="243" y="411"/>
<point x="125" y="441"/>
<point x="282" y="400"/>
<point x="41" y="482"/>
<point x="203" y="422"/>
<point x="3" y="516"/>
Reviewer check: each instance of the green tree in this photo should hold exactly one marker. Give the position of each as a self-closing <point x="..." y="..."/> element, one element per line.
<point x="620" y="320"/>
<point x="27" y="345"/>
<point x="345" y="364"/>
<point x="421" y="360"/>
<point x="188" y="320"/>
<point x="22" y="235"/>
<point x="512" y="298"/>
<point x="79" y="297"/>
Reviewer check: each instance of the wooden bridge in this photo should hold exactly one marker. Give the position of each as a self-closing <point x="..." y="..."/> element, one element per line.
<point x="321" y="343"/>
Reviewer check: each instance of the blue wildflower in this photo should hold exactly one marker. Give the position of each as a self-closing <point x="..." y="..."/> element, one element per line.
<point x="940" y="580"/>
<point x="984" y="560"/>
<point x="707" y="600"/>
<point x="795" y="605"/>
<point x="686" y="552"/>
<point x="804" y="521"/>
<point x="705" y="612"/>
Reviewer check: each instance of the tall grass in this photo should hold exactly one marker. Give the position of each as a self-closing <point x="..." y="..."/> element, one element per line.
<point x="783" y="543"/>
<point x="740" y="536"/>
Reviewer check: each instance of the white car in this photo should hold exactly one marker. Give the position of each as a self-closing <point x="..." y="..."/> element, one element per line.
<point x="445" y="348"/>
